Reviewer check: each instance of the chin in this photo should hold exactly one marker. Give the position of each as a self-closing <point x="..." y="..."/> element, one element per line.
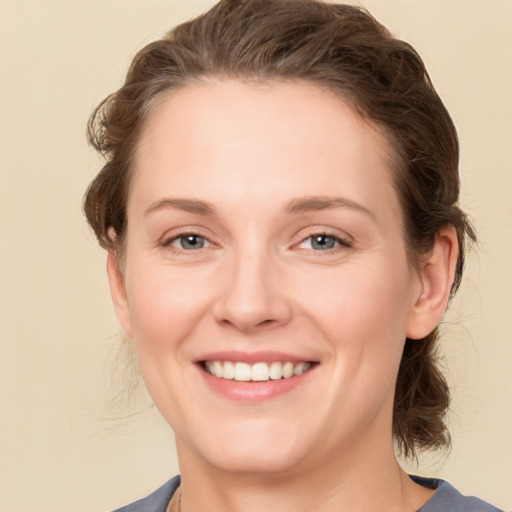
<point x="249" y="447"/>
<point x="262" y="462"/>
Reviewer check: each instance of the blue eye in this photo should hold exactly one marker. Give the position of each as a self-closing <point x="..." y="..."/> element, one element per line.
<point x="189" y="242"/>
<point x="321" y="242"/>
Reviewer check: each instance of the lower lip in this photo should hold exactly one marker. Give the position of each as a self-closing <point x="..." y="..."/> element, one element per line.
<point x="253" y="391"/>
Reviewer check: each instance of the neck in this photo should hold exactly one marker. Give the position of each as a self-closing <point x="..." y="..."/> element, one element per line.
<point x="347" y="481"/>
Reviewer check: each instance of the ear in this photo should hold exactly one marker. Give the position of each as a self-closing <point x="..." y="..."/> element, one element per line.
<point x="118" y="292"/>
<point x="436" y="276"/>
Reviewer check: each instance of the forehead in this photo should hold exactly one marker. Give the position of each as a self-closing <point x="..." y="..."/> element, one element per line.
<point x="271" y="105"/>
<point x="291" y="137"/>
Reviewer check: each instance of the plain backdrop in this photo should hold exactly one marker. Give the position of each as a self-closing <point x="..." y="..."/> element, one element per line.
<point x="64" y="445"/>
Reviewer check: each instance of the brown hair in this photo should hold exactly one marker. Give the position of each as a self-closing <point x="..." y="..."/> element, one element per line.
<point x="383" y="79"/>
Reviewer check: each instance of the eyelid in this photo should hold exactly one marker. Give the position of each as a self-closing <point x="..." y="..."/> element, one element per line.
<point x="344" y="240"/>
<point x="171" y="242"/>
<point x="170" y="236"/>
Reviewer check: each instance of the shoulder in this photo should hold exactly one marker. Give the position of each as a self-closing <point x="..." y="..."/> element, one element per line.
<point x="157" y="501"/>
<point x="447" y="499"/>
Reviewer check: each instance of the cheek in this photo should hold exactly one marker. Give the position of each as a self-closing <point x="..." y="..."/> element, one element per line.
<point x="362" y="313"/>
<point x="165" y="306"/>
<point x="166" y="309"/>
<point x="364" y="297"/>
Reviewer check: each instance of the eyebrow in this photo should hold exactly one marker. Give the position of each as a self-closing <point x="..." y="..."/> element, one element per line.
<point x="316" y="203"/>
<point x="298" y="205"/>
<point x="188" y="205"/>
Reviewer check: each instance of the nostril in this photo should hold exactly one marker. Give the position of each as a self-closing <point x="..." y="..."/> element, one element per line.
<point x="250" y="326"/>
<point x="267" y="322"/>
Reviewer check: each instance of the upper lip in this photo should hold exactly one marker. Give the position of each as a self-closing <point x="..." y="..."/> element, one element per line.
<point x="253" y="357"/>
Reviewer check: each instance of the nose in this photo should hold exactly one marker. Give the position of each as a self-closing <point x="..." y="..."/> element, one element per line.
<point x="252" y="297"/>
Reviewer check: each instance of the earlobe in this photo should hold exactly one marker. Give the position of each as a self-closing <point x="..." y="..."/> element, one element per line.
<point x="118" y="292"/>
<point x="436" y="277"/>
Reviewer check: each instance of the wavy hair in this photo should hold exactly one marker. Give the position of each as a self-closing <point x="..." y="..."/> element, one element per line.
<point x="339" y="47"/>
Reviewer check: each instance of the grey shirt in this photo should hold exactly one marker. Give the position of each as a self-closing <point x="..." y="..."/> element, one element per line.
<point x="445" y="499"/>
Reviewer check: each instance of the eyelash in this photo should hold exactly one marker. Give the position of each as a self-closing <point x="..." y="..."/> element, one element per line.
<point x="339" y="243"/>
<point x="168" y="242"/>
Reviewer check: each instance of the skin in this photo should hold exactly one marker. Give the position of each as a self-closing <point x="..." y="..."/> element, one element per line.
<point x="256" y="154"/>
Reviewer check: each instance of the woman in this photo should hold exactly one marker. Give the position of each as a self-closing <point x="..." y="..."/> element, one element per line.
<point x="279" y="206"/>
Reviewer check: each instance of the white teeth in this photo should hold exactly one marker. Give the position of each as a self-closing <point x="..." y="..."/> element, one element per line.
<point x="287" y="370"/>
<point x="228" y="371"/>
<point x="300" y="368"/>
<point x="242" y="372"/>
<point x="217" y="369"/>
<point x="258" y="372"/>
<point x="276" y="371"/>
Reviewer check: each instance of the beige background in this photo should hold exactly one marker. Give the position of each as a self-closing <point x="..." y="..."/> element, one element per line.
<point x="61" y="447"/>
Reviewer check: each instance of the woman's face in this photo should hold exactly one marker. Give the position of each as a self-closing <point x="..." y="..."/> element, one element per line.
<point x="265" y="237"/>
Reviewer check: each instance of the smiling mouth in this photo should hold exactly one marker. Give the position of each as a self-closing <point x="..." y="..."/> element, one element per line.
<point x="258" y="372"/>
